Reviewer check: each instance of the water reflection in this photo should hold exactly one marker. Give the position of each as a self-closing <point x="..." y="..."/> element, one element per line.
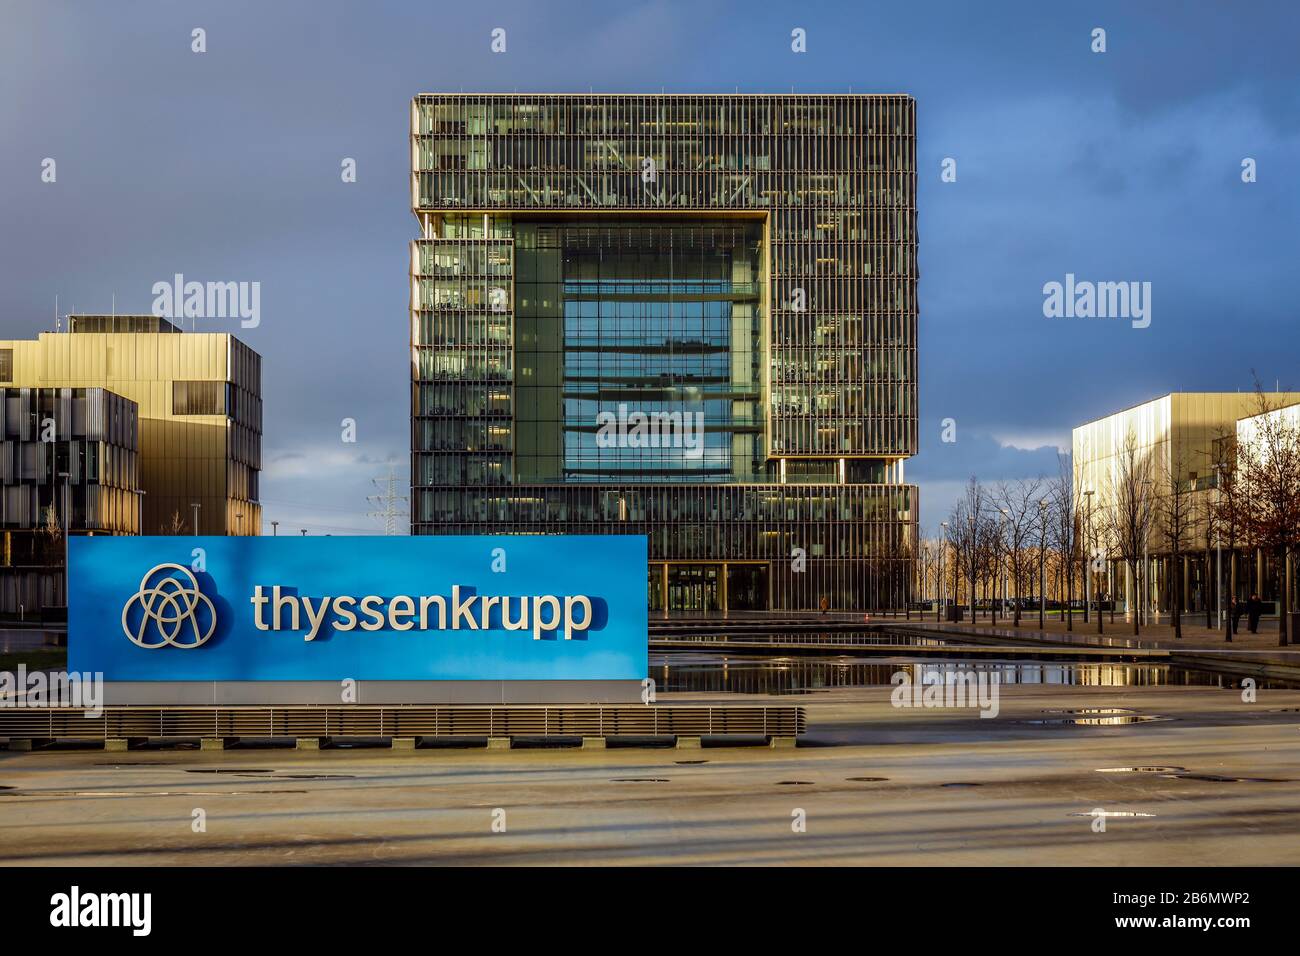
<point x="738" y="674"/>
<point x="1109" y="721"/>
<point x="14" y="639"/>
<point x="872" y="638"/>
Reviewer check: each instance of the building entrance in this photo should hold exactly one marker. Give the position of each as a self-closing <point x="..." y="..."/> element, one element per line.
<point x="705" y="588"/>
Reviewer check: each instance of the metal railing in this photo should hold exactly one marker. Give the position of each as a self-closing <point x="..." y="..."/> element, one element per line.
<point x="406" y="720"/>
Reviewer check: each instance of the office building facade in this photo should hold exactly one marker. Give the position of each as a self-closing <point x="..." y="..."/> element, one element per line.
<point x="689" y="317"/>
<point x="1179" y="437"/>
<point x="198" y="407"/>
<point x="68" y="460"/>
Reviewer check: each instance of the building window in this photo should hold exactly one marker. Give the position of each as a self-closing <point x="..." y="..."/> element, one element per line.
<point x="6" y="365"/>
<point x="198" y="398"/>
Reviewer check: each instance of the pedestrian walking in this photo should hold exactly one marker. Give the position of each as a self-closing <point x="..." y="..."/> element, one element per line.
<point x="1254" y="608"/>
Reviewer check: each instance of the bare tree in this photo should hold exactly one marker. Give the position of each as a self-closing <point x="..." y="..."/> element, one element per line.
<point x="1018" y="502"/>
<point x="1269" y="473"/>
<point x="1174" y="504"/>
<point x="967" y="532"/>
<point x="52" y="532"/>
<point x="930" y="563"/>
<point x="1228" y="517"/>
<point x="1065" y="531"/>
<point x="175" y="526"/>
<point x="1098" y="546"/>
<point x="1128" y="515"/>
<point x="902" y="573"/>
<point x="988" y="539"/>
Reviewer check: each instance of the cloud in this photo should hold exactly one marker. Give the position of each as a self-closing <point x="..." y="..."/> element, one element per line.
<point x="1030" y="440"/>
<point x="1117" y="166"/>
<point x="322" y="463"/>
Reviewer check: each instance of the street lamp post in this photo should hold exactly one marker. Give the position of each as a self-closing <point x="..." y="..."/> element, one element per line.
<point x="1145" y="607"/>
<point x="1218" y="584"/>
<point x="1110" y="590"/>
<point x="972" y="569"/>
<point x="1069" y="546"/>
<point x="943" y="581"/>
<point x="1226" y="624"/>
<point x="275" y="528"/>
<point x="67" y="533"/>
<point x="1088" y="599"/>
<point x="1087" y="559"/>
<point x="139" y="510"/>
<point x="194" y="507"/>
<point x="999" y="570"/>
<point x="906" y="582"/>
<point x="1042" y="564"/>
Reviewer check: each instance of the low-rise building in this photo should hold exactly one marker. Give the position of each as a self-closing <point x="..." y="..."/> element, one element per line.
<point x="1179" y="437"/>
<point x="68" y="460"/>
<point x="123" y="424"/>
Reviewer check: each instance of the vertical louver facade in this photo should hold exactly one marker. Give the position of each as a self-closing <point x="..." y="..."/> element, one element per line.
<point x="690" y="317"/>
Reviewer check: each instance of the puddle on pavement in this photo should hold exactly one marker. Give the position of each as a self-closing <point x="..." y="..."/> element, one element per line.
<point x="257" y="771"/>
<point x="1221" y="778"/>
<point x="1101" y="721"/>
<point x="1110" y="814"/>
<point x="1165" y="770"/>
<point x="866" y="779"/>
<point x="1182" y="773"/>
<point x="639" y="780"/>
<point x="243" y="770"/>
<point x="316" y="776"/>
<point x="794" y="783"/>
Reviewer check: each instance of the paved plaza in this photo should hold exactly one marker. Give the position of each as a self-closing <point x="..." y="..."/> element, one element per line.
<point x="875" y="784"/>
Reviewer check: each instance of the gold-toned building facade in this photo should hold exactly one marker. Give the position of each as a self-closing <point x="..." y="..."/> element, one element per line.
<point x="199" y="411"/>
<point x="1182" y="435"/>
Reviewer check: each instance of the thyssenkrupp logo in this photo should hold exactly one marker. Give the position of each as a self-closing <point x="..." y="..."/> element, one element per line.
<point x="169" y="609"/>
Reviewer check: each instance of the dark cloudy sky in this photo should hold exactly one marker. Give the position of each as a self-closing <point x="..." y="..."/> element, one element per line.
<point x="225" y="165"/>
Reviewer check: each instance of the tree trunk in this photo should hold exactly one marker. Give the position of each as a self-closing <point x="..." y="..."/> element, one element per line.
<point x="1283" y="598"/>
<point x="1205" y="581"/>
<point x="1015" y="588"/>
<point x="993" y="598"/>
<point x="1136" y="601"/>
<point x="1178" y="595"/>
<point x="1069" y="599"/>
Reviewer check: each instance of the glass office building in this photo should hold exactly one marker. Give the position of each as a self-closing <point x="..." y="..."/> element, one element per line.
<point x="689" y="317"/>
<point x="68" y="460"/>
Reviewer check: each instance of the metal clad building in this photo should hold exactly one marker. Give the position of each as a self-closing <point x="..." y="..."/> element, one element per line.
<point x="747" y="263"/>
<point x="148" y="421"/>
